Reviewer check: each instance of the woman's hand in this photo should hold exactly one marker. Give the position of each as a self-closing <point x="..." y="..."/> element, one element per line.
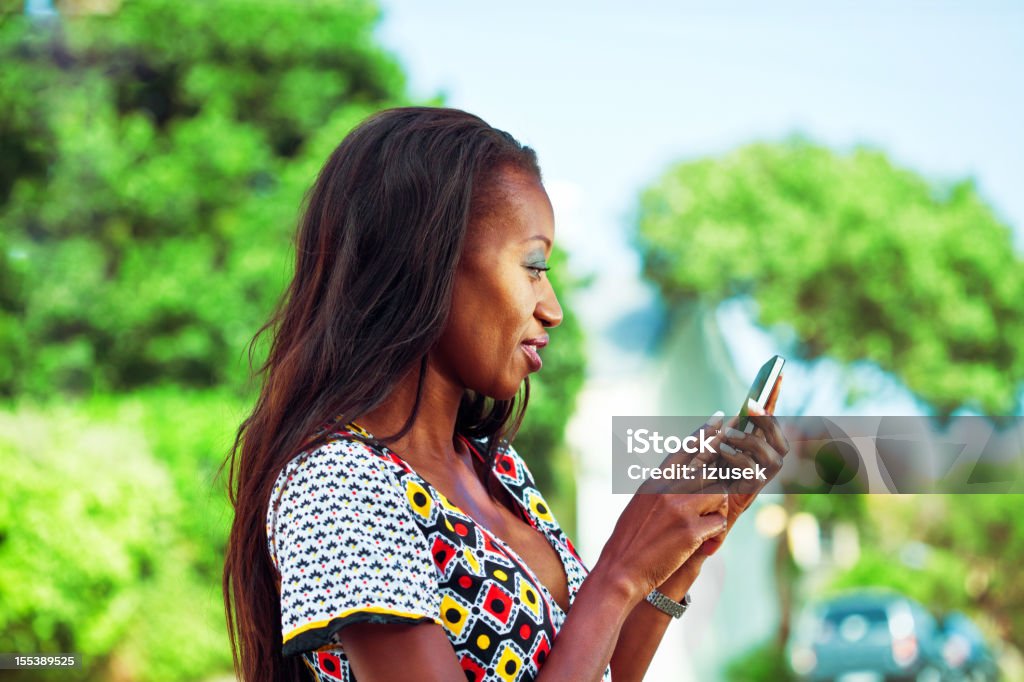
<point x="665" y="522"/>
<point x="765" y="447"/>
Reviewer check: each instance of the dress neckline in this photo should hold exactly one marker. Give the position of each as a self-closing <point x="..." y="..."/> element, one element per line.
<point x="513" y="555"/>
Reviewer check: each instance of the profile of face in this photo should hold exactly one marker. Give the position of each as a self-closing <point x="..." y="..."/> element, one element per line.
<point x="502" y="302"/>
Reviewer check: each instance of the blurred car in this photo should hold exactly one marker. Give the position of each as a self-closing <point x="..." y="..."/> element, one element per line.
<point x="869" y="636"/>
<point x="965" y="650"/>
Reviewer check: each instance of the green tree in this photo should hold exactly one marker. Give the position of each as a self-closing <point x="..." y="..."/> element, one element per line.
<point x="73" y="565"/>
<point x="154" y="162"/>
<point x="862" y="260"/>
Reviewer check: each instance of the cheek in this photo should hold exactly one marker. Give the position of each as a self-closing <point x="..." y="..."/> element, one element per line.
<point x="481" y="342"/>
<point x="471" y="333"/>
<point x="498" y="300"/>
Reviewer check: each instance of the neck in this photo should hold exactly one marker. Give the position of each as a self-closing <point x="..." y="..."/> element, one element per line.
<point x="431" y="439"/>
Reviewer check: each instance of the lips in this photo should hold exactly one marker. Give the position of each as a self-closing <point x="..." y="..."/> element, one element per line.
<point x="531" y="347"/>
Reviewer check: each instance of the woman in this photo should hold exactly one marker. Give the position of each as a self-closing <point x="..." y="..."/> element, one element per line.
<point x="379" y="507"/>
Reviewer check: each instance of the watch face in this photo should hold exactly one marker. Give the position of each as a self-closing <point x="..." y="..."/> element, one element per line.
<point x="686" y="599"/>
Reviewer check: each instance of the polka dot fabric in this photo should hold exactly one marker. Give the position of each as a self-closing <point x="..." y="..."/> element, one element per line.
<point x="358" y="536"/>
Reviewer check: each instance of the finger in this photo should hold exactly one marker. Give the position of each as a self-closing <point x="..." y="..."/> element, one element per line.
<point x="690" y="484"/>
<point x="717" y="494"/>
<point x="754" y="446"/>
<point x="773" y="397"/>
<point x="715" y="420"/>
<point x="713" y="433"/>
<point x="708" y="452"/>
<point x="713" y="426"/>
<point x="754" y="408"/>
<point x="737" y="459"/>
<point x="714" y="499"/>
<point x="769" y="427"/>
<point x="710" y="525"/>
<point x="740" y="462"/>
<point x="747" y="451"/>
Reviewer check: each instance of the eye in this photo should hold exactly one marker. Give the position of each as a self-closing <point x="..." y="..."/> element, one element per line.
<point x="537" y="269"/>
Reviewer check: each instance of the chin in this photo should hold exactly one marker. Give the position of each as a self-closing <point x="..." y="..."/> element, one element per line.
<point x="502" y="391"/>
<point x="503" y="394"/>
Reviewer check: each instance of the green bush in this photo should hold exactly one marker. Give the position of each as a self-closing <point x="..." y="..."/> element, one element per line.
<point x="112" y="532"/>
<point x="762" y="663"/>
<point x="86" y="518"/>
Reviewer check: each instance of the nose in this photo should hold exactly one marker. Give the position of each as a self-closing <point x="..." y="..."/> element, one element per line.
<point x="548" y="310"/>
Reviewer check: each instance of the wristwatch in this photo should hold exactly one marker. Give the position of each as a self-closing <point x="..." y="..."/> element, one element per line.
<point x="669" y="606"/>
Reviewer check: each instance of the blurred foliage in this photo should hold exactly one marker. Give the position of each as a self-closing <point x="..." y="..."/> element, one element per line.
<point x="950" y="552"/>
<point x="152" y="169"/>
<point x="762" y="663"/>
<point x="153" y="160"/>
<point x="102" y="551"/>
<point x="863" y="260"/>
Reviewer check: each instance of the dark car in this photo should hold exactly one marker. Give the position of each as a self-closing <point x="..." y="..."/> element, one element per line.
<point x="965" y="650"/>
<point x="869" y="636"/>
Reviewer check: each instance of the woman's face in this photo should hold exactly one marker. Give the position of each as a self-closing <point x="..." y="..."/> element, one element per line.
<point x="502" y="302"/>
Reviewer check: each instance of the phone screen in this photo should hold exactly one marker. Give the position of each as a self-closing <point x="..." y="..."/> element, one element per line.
<point x="761" y="389"/>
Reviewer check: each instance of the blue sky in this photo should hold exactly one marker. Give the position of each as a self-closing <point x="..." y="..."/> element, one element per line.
<point x="609" y="94"/>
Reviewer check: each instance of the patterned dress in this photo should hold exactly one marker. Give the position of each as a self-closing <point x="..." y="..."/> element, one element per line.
<point x="357" y="536"/>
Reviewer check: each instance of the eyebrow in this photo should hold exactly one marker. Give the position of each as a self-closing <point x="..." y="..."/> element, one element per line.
<point x="540" y="237"/>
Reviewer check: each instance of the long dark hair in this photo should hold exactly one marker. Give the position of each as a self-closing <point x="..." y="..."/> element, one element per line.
<point x="376" y="254"/>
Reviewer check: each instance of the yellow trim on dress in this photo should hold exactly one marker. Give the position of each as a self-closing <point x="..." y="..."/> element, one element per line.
<point x="361" y="609"/>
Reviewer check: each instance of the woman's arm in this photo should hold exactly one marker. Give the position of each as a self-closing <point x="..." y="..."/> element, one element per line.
<point x="391" y="651"/>
<point x="645" y="626"/>
<point x="582" y="650"/>
<point x="654" y="536"/>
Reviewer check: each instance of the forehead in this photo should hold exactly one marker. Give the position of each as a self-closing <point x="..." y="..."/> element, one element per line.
<point x="515" y="211"/>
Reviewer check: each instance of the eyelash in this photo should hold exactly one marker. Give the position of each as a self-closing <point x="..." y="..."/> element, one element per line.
<point x="538" y="269"/>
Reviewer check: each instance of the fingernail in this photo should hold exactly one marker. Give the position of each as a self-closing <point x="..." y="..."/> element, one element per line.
<point x="753" y="407"/>
<point x="727" y="449"/>
<point x="733" y="433"/>
<point x="716" y="418"/>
